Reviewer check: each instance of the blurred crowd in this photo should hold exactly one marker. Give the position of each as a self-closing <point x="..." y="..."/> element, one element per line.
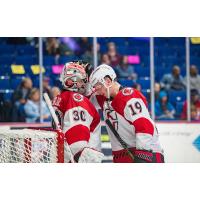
<point x="25" y="100"/>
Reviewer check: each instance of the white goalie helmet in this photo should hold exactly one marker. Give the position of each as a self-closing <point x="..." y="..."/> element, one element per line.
<point x="100" y="73"/>
<point x="73" y="77"/>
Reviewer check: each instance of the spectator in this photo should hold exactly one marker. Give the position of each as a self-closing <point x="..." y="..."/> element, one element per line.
<point x="114" y="57"/>
<point x="54" y="92"/>
<point x="163" y="108"/>
<point x="5" y="109"/>
<point x="88" y="55"/>
<point x="46" y="86"/>
<point x="84" y="46"/>
<point x="55" y="48"/>
<point x="19" y="99"/>
<point x="52" y="46"/>
<point x="137" y="86"/>
<point x="157" y="90"/>
<point x="21" y="93"/>
<point x="174" y="80"/>
<point x="32" y="108"/>
<point x="124" y="70"/>
<point x="105" y="59"/>
<point x="195" y="106"/>
<point x="64" y="49"/>
<point x="194" y="78"/>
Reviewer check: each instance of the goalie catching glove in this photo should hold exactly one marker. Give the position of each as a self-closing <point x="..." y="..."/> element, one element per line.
<point x="89" y="155"/>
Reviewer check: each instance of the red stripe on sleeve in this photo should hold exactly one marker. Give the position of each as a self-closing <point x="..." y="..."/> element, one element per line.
<point x="143" y="125"/>
<point x="77" y="133"/>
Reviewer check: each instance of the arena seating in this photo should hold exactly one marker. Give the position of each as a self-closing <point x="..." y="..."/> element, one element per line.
<point x="179" y="108"/>
<point x="4" y="82"/>
<point x="144" y="82"/>
<point x="168" y="52"/>
<point x="177" y="96"/>
<point x="126" y="83"/>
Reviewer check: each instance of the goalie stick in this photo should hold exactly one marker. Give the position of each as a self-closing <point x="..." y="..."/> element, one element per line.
<point x="121" y="141"/>
<point x="56" y="121"/>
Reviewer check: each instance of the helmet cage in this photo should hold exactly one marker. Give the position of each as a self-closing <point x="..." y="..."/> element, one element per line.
<point x="73" y="77"/>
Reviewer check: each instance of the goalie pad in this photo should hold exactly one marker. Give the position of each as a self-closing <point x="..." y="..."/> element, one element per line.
<point x="89" y="155"/>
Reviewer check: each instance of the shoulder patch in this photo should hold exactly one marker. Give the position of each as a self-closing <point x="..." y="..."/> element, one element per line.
<point x="78" y="97"/>
<point x="127" y="91"/>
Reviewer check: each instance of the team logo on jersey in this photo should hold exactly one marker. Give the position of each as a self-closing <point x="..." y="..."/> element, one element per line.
<point x="127" y="91"/>
<point x="78" y="97"/>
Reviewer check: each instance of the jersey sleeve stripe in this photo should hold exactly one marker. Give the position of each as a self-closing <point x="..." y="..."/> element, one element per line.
<point x="77" y="133"/>
<point x="143" y="125"/>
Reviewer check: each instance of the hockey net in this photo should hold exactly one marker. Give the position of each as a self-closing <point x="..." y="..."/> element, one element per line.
<point x="31" y="146"/>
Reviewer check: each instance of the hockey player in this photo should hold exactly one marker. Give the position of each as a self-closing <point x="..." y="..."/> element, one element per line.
<point x="80" y="122"/>
<point x="133" y="134"/>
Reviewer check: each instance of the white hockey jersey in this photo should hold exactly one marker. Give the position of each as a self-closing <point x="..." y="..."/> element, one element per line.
<point x="129" y="116"/>
<point x="80" y="122"/>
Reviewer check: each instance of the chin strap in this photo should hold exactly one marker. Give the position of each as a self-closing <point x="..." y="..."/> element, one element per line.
<point x="108" y="90"/>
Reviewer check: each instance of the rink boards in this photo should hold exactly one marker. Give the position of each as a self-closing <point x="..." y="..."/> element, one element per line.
<point x="180" y="141"/>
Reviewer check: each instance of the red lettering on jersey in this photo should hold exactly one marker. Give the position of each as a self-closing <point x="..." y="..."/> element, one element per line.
<point x="115" y="125"/>
<point x="112" y="116"/>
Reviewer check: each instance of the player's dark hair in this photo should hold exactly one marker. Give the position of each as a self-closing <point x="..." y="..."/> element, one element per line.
<point x="107" y="76"/>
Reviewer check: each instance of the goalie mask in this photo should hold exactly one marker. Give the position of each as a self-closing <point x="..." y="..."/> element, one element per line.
<point x="88" y="69"/>
<point x="87" y="66"/>
<point x="73" y="77"/>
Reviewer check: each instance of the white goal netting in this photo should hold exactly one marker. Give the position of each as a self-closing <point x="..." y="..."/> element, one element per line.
<point x="30" y="146"/>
